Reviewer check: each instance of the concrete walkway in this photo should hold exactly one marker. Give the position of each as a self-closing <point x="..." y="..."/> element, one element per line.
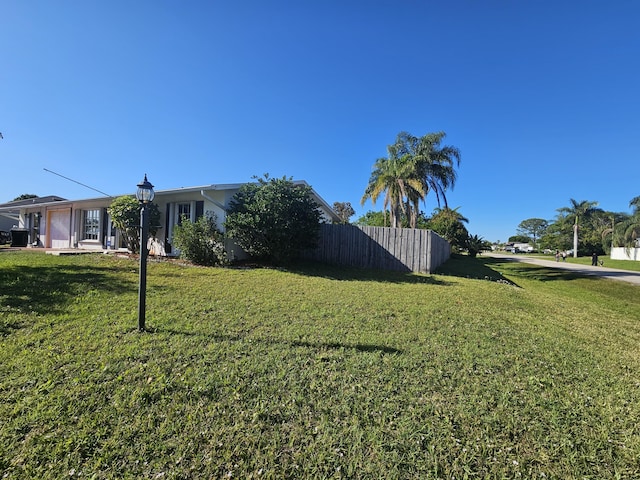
<point x="603" y="272"/>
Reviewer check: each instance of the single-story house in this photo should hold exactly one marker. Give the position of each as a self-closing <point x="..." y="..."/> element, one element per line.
<point x="86" y="224"/>
<point x="518" y="247"/>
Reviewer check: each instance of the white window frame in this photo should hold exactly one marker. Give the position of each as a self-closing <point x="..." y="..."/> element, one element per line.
<point x="91" y="231"/>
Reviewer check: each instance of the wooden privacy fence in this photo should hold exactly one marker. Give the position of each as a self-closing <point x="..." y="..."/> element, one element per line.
<point x="404" y="249"/>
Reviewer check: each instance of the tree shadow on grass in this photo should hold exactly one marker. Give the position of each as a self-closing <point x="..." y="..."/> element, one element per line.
<point x="547" y="274"/>
<point x="342" y="273"/>
<point x="296" y="343"/>
<point x="341" y="346"/>
<point x="478" y="268"/>
<point x="491" y="268"/>
<point x="7" y="327"/>
<point x="47" y="289"/>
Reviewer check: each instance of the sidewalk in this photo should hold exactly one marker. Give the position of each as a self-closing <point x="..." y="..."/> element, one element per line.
<point x="603" y="272"/>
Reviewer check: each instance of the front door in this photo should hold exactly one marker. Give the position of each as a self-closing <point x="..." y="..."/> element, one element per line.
<point x="59" y="228"/>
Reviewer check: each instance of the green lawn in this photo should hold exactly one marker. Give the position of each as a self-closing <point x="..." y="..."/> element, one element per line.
<point x="488" y="369"/>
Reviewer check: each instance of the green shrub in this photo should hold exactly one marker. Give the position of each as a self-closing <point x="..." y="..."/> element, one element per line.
<point x="200" y="242"/>
<point x="125" y="212"/>
<point x="274" y="219"/>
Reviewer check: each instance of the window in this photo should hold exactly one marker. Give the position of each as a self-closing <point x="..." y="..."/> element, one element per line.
<point x="184" y="210"/>
<point x="91" y="225"/>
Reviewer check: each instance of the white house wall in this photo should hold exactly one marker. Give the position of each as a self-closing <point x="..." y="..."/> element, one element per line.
<point x="215" y="199"/>
<point x="168" y="202"/>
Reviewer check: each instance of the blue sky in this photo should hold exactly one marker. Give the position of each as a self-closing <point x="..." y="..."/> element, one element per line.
<point x="541" y="97"/>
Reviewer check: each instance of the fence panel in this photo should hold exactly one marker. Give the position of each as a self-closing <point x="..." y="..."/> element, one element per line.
<point x="403" y="249"/>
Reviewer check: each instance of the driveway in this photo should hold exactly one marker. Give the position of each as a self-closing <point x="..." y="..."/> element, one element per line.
<point x="603" y="272"/>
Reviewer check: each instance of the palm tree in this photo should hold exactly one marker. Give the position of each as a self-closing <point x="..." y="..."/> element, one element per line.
<point x="449" y="224"/>
<point x="475" y="245"/>
<point x="629" y="230"/>
<point x="583" y="209"/>
<point x="395" y="176"/>
<point x="422" y="159"/>
<point x="436" y="165"/>
<point x="611" y="223"/>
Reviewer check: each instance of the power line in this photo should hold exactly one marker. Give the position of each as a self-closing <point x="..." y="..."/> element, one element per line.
<point x="75" y="181"/>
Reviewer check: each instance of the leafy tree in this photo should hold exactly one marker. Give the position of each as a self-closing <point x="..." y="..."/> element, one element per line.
<point x="200" y="242"/>
<point x="344" y="210"/>
<point x="381" y="219"/>
<point x="594" y="231"/>
<point x="519" y="239"/>
<point x="557" y="237"/>
<point x="575" y="212"/>
<point x="533" y="227"/>
<point x="449" y="224"/>
<point x="273" y="219"/>
<point x="421" y="221"/>
<point x="414" y="166"/>
<point x="373" y="219"/>
<point x="125" y="213"/>
<point x="24" y="196"/>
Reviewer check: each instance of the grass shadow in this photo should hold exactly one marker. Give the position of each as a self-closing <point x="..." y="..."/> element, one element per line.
<point x="478" y="268"/>
<point x="340" y="273"/>
<point x="296" y="343"/>
<point x="7" y="327"/>
<point x="341" y="346"/>
<point x="547" y="274"/>
<point x="494" y="269"/>
<point x="47" y="289"/>
<point x="173" y="331"/>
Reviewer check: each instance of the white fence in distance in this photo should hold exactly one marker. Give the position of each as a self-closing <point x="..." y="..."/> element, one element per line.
<point x="622" y="253"/>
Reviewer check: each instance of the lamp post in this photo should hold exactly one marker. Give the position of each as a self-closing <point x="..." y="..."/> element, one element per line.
<point x="145" y="195"/>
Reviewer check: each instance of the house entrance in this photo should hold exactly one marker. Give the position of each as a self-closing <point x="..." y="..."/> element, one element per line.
<point x="59" y="228"/>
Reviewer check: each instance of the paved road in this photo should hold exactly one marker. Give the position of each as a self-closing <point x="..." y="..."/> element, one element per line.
<point x="604" y="272"/>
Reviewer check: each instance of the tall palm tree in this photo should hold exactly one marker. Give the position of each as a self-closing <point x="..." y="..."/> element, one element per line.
<point x="577" y="210"/>
<point x="395" y="177"/>
<point x="436" y="165"/>
<point x="405" y="147"/>
<point x="432" y="165"/>
<point x="609" y="230"/>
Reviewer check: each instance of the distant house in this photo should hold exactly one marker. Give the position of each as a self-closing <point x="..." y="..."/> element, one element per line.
<point x="518" y="247"/>
<point x="85" y="224"/>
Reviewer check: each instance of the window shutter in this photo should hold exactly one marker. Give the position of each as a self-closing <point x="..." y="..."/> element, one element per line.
<point x="199" y="209"/>
<point x="167" y="218"/>
<point x="104" y="227"/>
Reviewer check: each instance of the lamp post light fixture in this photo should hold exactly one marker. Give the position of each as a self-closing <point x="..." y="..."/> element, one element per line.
<point x="145" y="195"/>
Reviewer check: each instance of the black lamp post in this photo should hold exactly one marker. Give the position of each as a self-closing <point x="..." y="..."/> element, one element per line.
<point x="144" y="195"/>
